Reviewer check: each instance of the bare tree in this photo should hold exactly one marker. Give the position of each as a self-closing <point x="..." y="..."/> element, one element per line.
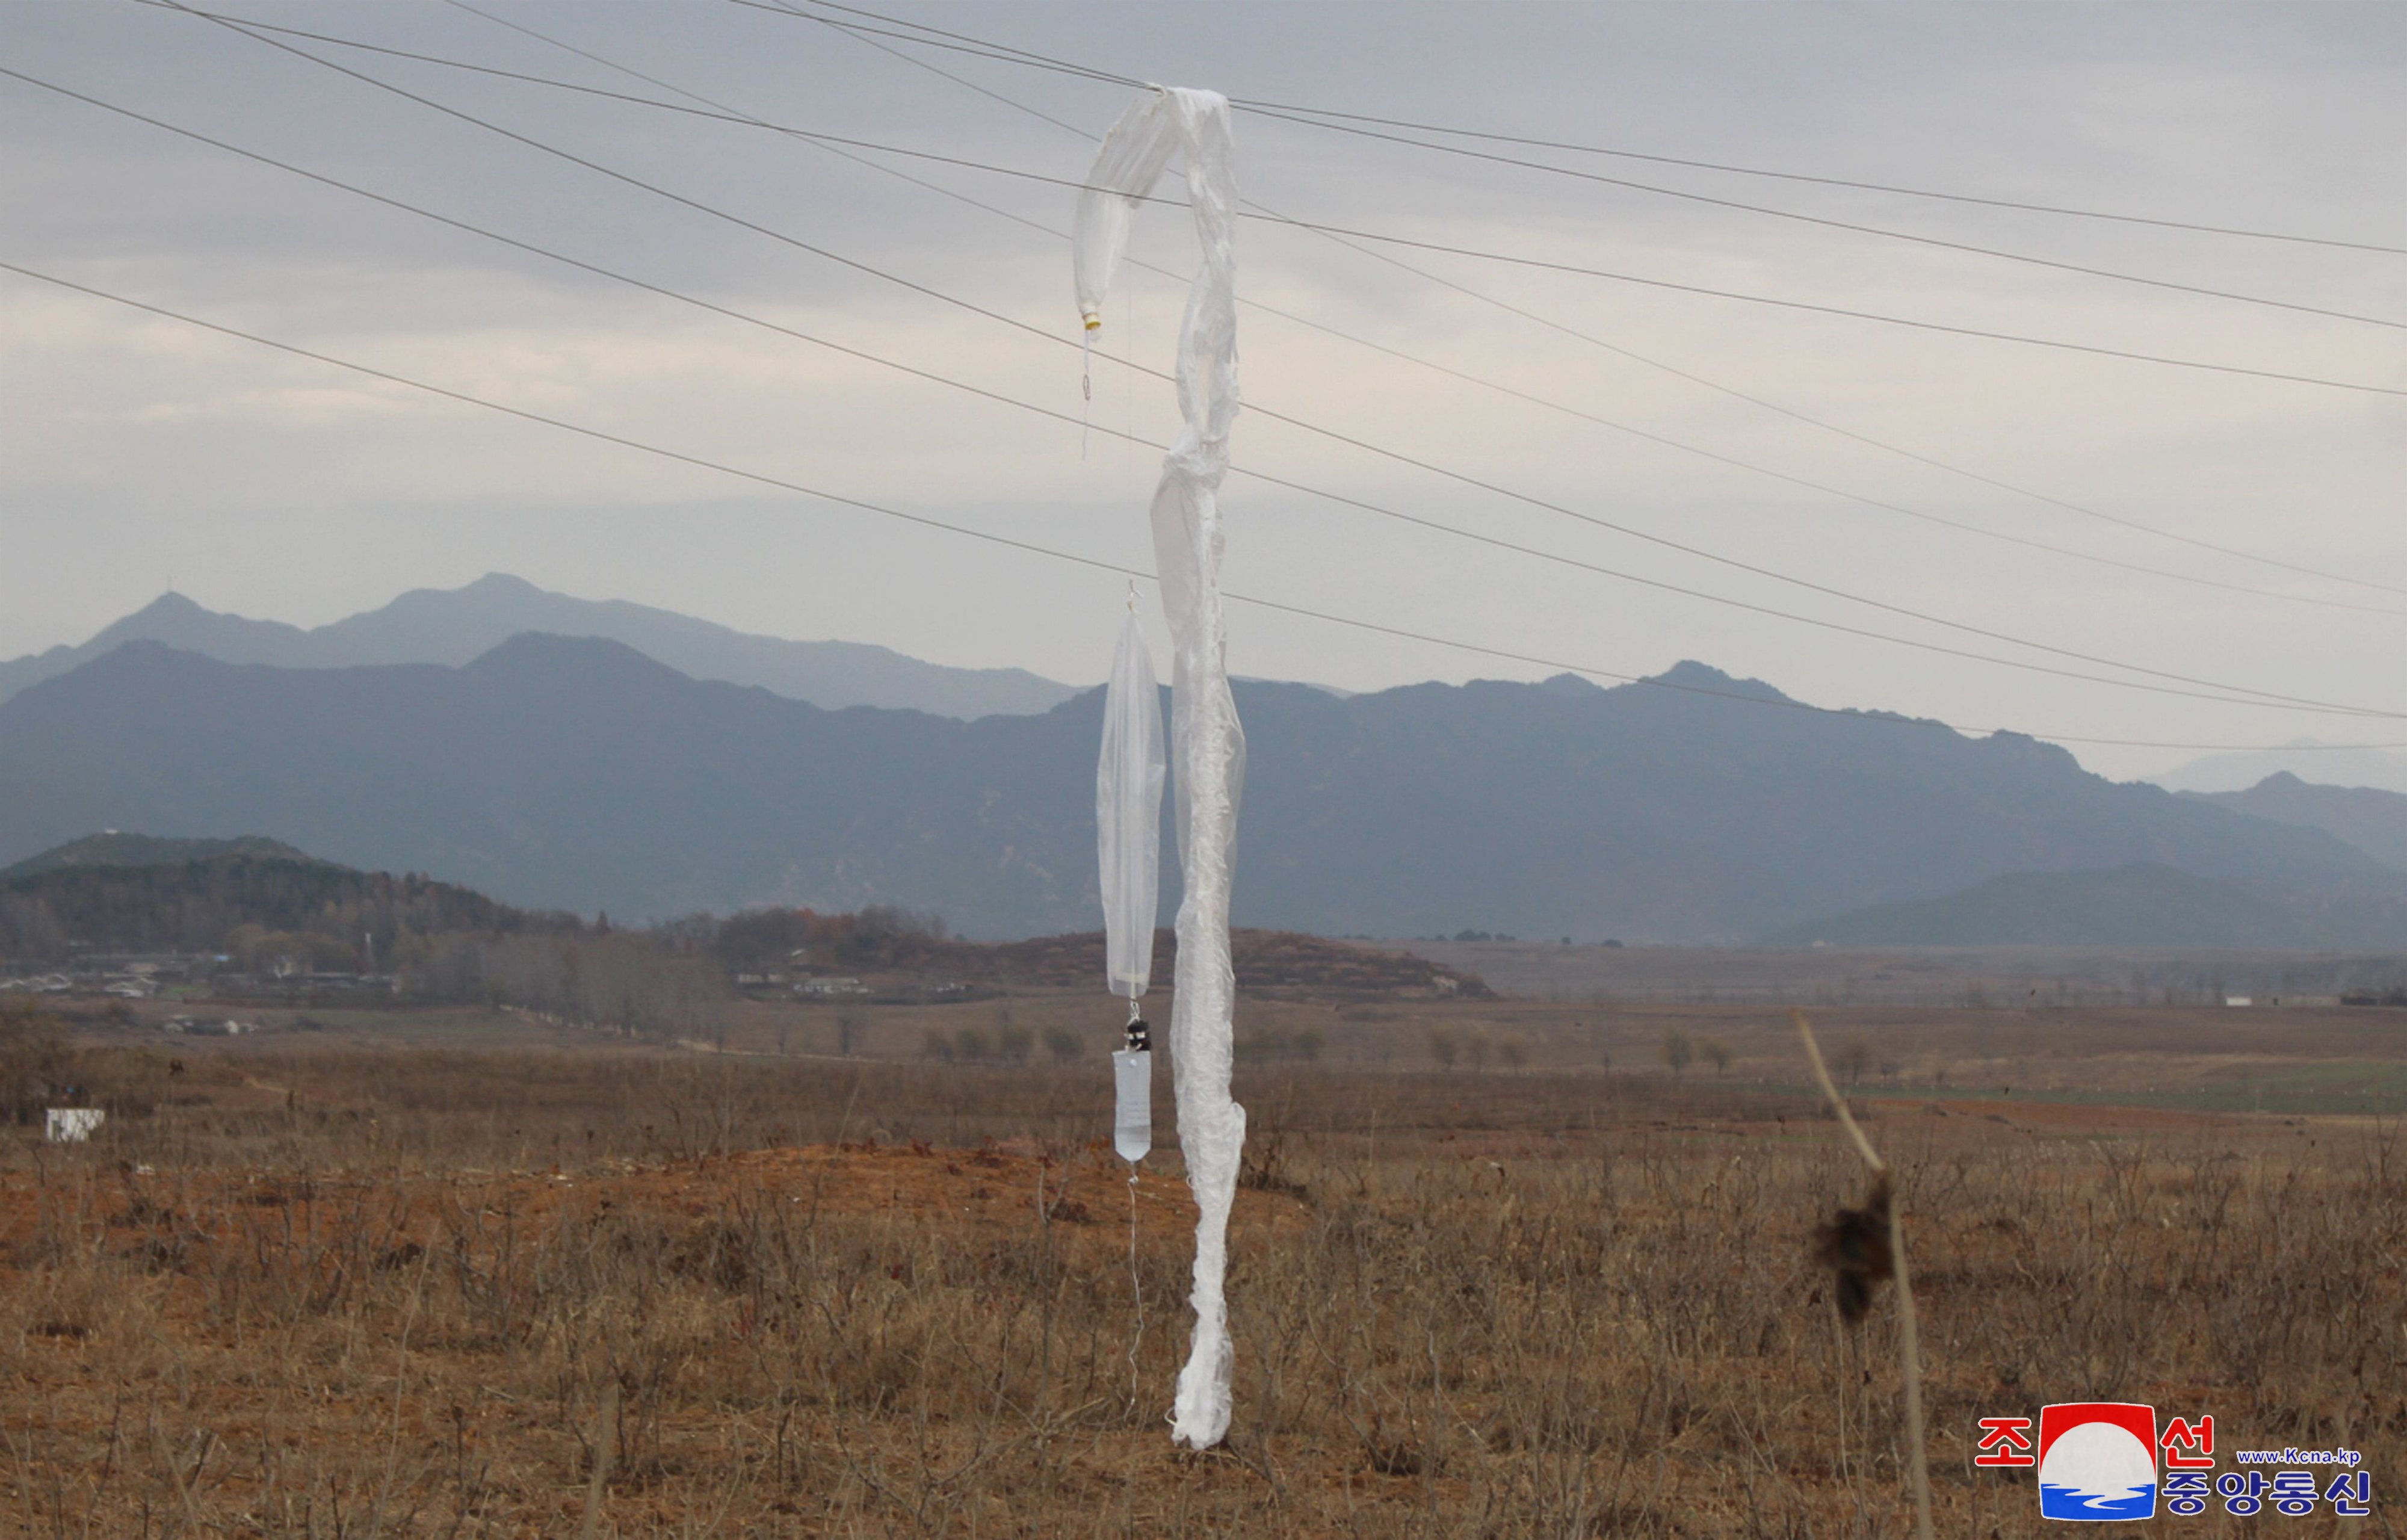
<point x="1677" y="1053"/>
<point x="1855" y="1057"/>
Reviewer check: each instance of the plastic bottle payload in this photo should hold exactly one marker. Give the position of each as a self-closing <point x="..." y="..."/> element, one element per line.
<point x="1128" y="848"/>
<point x="1211" y="744"/>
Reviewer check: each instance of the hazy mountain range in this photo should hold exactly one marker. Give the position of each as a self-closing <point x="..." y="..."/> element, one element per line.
<point x="2380" y="768"/>
<point x="580" y="774"/>
<point x="456" y="625"/>
<point x="2376" y="821"/>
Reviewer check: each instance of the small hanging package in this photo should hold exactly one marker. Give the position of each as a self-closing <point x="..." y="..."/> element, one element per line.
<point x="1133" y="1102"/>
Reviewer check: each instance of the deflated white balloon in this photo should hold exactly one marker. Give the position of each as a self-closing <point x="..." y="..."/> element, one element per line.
<point x="1127" y="814"/>
<point x="1211" y="746"/>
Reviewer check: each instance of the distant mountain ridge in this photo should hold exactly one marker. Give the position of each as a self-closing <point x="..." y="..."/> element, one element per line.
<point x="454" y="626"/>
<point x="2373" y="821"/>
<point x="2315" y="763"/>
<point x="557" y="773"/>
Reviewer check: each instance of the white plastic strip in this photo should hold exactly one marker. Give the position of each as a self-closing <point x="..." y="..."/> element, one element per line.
<point x="1127" y="813"/>
<point x="1211" y="746"/>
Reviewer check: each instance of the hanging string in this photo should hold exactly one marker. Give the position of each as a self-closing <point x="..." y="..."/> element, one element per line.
<point x="1086" y="383"/>
<point x="1136" y="1291"/>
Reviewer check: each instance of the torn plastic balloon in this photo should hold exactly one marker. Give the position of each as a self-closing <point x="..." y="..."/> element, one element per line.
<point x="1127" y="813"/>
<point x="1128" y="849"/>
<point x="1211" y="744"/>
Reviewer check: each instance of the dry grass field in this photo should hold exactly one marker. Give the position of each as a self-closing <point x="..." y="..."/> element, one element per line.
<point x="457" y="1275"/>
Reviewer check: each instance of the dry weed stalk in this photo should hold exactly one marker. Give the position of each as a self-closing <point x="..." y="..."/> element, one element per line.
<point x="1909" y="1344"/>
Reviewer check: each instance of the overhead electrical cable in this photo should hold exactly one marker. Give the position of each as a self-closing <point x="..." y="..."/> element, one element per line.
<point x="834" y="144"/>
<point x="260" y="30"/>
<point x="1851" y="226"/>
<point x="863" y="36"/>
<point x="1890" y="188"/>
<point x="1003" y="53"/>
<point x="2229" y="692"/>
<point x="1033" y="548"/>
<point x="1592" y="340"/>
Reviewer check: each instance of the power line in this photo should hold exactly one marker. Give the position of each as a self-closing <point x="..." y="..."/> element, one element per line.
<point x="834" y="144"/>
<point x="1812" y="308"/>
<point x="1834" y="181"/>
<point x="1296" y="117"/>
<point x="1002" y="54"/>
<point x="2227" y="691"/>
<point x="257" y="30"/>
<point x="1073" y="557"/>
<point x="858" y="35"/>
<point x="2233" y="694"/>
<point x="1935" y="241"/>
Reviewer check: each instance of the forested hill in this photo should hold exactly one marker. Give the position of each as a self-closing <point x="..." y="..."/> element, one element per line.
<point x="112" y="849"/>
<point x="197" y="905"/>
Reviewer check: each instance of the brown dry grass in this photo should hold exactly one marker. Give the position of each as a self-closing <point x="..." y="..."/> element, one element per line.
<point x="618" y="1293"/>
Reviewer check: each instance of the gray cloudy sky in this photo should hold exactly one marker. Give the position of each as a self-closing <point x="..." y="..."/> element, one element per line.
<point x="137" y="451"/>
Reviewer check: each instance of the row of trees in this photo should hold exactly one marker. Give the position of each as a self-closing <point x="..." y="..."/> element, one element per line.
<point x="878" y="939"/>
<point x="624" y="981"/>
<point x="313" y="908"/>
<point x="1449" y="1048"/>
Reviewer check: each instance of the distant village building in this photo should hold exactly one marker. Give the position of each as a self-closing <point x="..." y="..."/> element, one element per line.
<point x="831" y="986"/>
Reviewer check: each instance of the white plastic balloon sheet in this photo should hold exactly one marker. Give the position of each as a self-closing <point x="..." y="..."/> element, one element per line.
<point x="1127" y="813"/>
<point x="1210" y="744"/>
<point x="1128" y="851"/>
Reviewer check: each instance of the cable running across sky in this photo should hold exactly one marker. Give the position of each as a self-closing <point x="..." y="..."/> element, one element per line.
<point x="1552" y="323"/>
<point x="930" y="37"/>
<point x="1362" y="504"/>
<point x="257" y="29"/>
<point x="1881" y="718"/>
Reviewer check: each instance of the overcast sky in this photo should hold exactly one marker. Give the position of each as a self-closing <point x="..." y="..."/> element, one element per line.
<point x="136" y="453"/>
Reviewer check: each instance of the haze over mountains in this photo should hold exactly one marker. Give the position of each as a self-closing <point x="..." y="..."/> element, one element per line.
<point x="2373" y="821"/>
<point x="578" y="773"/>
<point x="2380" y="768"/>
<point x="456" y="625"/>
